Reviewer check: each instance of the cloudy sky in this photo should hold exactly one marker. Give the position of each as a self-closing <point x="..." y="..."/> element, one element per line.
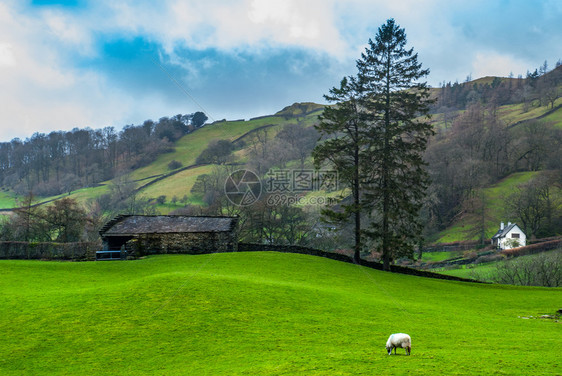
<point x="66" y="64"/>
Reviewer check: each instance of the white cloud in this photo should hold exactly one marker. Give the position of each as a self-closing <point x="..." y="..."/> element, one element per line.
<point x="308" y="24"/>
<point x="252" y="24"/>
<point x="70" y="31"/>
<point x="490" y="63"/>
<point x="7" y="57"/>
<point x="41" y="90"/>
<point x="43" y="50"/>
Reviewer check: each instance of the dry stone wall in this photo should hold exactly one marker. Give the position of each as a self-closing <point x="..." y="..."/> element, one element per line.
<point x="189" y="243"/>
<point x="81" y="251"/>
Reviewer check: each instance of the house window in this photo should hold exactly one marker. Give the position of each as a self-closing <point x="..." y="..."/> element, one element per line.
<point x="515" y="236"/>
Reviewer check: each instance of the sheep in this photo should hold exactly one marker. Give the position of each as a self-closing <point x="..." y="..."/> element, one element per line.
<point x="399" y="340"/>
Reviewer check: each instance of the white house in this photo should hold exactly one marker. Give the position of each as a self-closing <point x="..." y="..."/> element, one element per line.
<point x="510" y="236"/>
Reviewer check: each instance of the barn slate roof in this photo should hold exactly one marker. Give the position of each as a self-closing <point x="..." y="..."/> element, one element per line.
<point x="161" y="224"/>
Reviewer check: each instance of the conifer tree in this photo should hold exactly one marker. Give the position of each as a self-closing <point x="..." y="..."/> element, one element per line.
<point x="376" y="136"/>
<point x="344" y="149"/>
<point x="393" y="105"/>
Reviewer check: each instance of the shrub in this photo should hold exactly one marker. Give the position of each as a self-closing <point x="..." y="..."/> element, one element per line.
<point x="174" y="165"/>
<point x="218" y="152"/>
<point x="544" y="269"/>
<point x="533" y="248"/>
<point x="490" y="258"/>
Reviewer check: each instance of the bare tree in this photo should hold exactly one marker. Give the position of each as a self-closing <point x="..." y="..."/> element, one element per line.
<point x="544" y="269"/>
<point x="531" y="203"/>
<point x="259" y="150"/>
<point x="301" y="141"/>
<point x="66" y="220"/>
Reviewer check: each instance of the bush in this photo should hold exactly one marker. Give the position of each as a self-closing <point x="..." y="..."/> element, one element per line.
<point x="544" y="269"/>
<point x="174" y="165"/>
<point x="217" y="152"/>
<point x="490" y="258"/>
<point x="533" y="248"/>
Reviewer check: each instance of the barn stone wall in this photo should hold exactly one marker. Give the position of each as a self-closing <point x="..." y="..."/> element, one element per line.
<point x="190" y="243"/>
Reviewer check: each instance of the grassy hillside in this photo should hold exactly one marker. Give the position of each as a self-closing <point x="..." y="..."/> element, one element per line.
<point x="177" y="185"/>
<point x="263" y="314"/>
<point x="190" y="146"/>
<point x="495" y="196"/>
<point x="187" y="149"/>
<point x="510" y="114"/>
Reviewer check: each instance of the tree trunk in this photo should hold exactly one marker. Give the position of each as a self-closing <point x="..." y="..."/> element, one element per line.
<point x="356" y="203"/>
<point x="357" y="252"/>
<point x="385" y="189"/>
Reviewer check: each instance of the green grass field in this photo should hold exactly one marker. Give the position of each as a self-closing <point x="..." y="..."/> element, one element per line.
<point x="482" y="272"/>
<point x="440" y="256"/>
<point x="264" y="314"/>
<point x="556" y="117"/>
<point x="7" y="199"/>
<point x="177" y="185"/>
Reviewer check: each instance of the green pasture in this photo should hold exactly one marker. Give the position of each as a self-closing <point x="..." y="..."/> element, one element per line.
<point x="513" y="113"/>
<point x="178" y="185"/>
<point x="82" y="195"/>
<point x="509" y="114"/>
<point x="188" y="148"/>
<point x="264" y="313"/>
<point x="8" y="199"/>
<point x="481" y="272"/>
<point x="85" y="194"/>
<point x="555" y="117"/>
<point x="440" y="256"/>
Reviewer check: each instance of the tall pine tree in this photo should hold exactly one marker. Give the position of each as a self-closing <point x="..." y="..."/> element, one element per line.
<point x="345" y="150"/>
<point x="376" y="134"/>
<point x="395" y="107"/>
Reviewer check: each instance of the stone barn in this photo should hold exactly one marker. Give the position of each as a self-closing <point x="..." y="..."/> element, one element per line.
<point x="152" y="234"/>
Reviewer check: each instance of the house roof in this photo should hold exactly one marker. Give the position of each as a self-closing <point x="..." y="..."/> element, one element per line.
<point x="502" y="233"/>
<point x="151" y="224"/>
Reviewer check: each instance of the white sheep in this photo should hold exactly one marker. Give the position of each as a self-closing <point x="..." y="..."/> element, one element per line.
<point x="399" y="340"/>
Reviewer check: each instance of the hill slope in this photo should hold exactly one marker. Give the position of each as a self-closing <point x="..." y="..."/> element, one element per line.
<point x="263" y="314"/>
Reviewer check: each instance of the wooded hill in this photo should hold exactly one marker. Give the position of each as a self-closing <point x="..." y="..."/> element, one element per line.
<point x="496" y="155"/>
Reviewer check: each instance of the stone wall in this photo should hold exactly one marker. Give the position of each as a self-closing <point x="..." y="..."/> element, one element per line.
<point x="80" y="251"/>
<point x="190" y="243"/>
<point x="254" y="247"/>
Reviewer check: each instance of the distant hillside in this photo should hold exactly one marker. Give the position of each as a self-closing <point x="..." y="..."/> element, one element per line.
<point x="300" y="109"/>
<point x="489" y="133"/>
<point x="157" y="179"/>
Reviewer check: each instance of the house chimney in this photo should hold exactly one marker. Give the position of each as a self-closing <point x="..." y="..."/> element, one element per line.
<point x="501" y="226"/>
<point x="509" y="223"/>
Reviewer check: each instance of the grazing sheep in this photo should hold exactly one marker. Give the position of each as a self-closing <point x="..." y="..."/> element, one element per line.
<point x="399" y="340"/>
